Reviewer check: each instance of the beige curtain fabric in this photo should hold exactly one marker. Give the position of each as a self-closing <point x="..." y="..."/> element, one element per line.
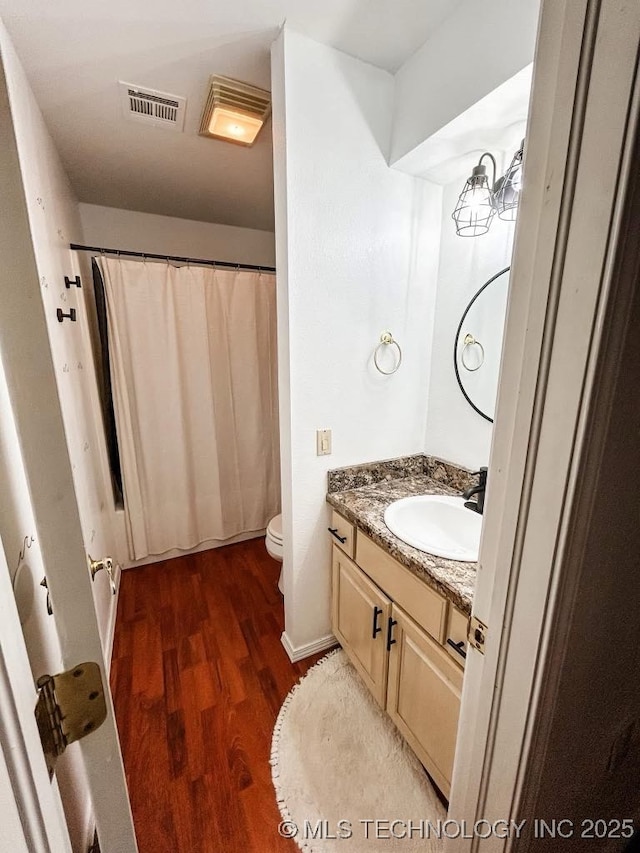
<point x="193" y="367"/>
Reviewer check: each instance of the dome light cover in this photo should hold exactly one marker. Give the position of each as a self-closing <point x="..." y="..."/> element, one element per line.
<point x="234" y="111"/>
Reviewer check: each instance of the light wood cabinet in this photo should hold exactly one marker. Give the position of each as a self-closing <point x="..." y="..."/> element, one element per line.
<point x="424" y="604"/>
<point x="394" y="628"/>
<point x="423" y="697"/>
<point x="360" y="619"/>
<point x="343" y="533"/>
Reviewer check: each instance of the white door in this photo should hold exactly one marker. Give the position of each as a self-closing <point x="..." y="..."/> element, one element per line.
<point x="42" y="460"/>
<point x="583" y="115"/>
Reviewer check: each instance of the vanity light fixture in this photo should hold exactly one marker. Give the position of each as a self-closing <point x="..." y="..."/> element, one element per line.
<point x="475" y="210"/>
<point x="506" y="193"/>
<point x="479" y="200"/>
<point x="234" y="111"/>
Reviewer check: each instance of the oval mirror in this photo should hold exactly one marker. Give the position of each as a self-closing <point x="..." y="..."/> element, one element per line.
<point x="478" y="345"/>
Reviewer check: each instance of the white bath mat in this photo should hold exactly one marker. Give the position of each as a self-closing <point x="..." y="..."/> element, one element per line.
<point x="345" y="779"/>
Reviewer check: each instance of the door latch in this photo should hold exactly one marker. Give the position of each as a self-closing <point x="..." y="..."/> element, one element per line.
<point x="477" y="634"/>
<point x="105" y="563"/>
<point x="70" y="706"/>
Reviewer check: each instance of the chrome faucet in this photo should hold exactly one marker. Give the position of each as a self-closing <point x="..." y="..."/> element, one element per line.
<point x="479" y="490"/>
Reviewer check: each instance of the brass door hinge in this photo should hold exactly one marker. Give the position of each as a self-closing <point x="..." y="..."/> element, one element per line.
<point x="477" y="634"/>
<point x="70" y="706"/>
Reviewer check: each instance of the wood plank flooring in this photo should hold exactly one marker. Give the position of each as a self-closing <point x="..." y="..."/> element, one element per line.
<point x="198" y="677"/>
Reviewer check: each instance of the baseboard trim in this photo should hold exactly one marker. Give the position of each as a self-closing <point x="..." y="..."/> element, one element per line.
<point x="297" y="653"/>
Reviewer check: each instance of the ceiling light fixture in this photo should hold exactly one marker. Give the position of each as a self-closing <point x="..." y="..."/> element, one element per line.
<point x="479" y="200"/>
<point x="234" y="111"/>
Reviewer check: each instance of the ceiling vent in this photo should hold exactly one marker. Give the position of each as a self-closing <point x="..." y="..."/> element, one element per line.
<point x="234" y="111"/>
<point x="152" y="107"/>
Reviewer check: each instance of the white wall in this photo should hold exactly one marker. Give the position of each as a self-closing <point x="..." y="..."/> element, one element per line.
<point x="454" y="431"/>
<point x="112" y="228"/>
<point x="471" y="53"/>
<point x="357" y="250"/>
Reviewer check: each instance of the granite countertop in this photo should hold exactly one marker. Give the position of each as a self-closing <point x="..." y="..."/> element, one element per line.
<point x="364" y="505"/>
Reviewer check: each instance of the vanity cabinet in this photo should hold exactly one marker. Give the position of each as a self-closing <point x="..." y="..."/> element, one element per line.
<point x="394" y="629"/>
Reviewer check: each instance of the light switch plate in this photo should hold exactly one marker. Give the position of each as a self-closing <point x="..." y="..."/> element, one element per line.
<point x="323" y="442"/>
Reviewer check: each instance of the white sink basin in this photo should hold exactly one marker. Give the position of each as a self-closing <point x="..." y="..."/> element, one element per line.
<point x="437" y="524"/>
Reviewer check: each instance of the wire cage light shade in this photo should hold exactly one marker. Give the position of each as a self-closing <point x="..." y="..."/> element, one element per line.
<point x="506" y="193"/>
<point x="475" y="209"/>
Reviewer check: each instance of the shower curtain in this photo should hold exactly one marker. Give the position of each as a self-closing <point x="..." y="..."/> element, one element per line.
<point x="193" y="370"/>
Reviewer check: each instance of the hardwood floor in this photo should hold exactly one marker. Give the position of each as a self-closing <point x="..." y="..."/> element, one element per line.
<point x="198" y="677"/>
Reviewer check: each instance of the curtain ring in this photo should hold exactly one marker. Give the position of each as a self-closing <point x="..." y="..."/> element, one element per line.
<point x="386" y="339"/>
<point x="470" y="341"/>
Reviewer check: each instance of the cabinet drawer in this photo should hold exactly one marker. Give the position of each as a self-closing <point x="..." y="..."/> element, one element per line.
<point x="457" y="628"/>
<point x="343" y="533"/>
<point x="423" y="697"/>
<point x="422" y="603"/>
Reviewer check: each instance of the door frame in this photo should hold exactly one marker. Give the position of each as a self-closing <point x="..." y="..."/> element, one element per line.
<point x="561" y="313"/>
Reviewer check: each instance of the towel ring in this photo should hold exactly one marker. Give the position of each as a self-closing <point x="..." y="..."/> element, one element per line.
<point x="386" y="339"/>
<point x="470" y="341"/>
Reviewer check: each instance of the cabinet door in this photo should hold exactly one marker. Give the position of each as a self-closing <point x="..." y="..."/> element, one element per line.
<point x="423" y="697"/>
<point x="360" y="615"/>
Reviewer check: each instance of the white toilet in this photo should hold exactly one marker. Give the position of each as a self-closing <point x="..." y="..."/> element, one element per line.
<point x="273" y="542"/>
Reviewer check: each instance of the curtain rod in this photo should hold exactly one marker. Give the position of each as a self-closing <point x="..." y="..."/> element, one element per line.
<point x="201" y="261"/>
